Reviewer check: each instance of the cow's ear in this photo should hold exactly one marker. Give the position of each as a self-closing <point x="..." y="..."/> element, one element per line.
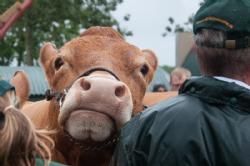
<point x="47" y="55"/>
<point x="21" y="83"/>
<point x="151" y="58"/>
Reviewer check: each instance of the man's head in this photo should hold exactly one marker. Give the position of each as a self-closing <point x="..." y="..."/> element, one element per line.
<point x="178" y="76"/>
<point x="159" y="88"/>
<point x="222" y="36"/>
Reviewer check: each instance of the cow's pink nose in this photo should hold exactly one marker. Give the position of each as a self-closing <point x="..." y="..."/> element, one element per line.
<point x="104" y="86"/>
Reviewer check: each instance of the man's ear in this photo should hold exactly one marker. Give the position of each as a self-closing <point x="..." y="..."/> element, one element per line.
<point x="151" y="58"/>
<point x="48" y="53"/>
<point x="21" y="83"/>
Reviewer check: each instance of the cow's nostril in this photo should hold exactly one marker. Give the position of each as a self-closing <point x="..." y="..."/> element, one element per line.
<point x="120" y="91"/>
<point x="85" y="85"/>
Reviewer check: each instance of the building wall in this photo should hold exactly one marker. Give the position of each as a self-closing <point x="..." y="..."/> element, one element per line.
<point x="184" y="43"/>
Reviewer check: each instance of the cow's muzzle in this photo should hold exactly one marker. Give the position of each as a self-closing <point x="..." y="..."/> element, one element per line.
<point x="60" y="96"/>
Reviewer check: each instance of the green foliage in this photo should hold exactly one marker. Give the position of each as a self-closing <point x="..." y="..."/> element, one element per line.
<point x="56" y="21"/>
<point x="168" y="68"/>
<point x="176" y="27"/>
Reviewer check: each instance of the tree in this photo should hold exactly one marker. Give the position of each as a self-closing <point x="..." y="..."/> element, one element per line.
<point x="56" y="21"/>
<point x="176" y="27"/>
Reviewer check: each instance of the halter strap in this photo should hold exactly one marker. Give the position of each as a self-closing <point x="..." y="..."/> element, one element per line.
<point x="88" y="72"/>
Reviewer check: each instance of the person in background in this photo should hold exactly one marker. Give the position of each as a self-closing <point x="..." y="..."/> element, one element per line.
<point x="178" y="76"/>
<point x="20" y="143"/>
<point x="159" y="88"/>
<point x="207" y="124"/>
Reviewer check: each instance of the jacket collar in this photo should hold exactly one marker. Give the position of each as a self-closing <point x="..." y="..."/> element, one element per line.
<point x="212" y="90"/>
<point x="232" y="80"/>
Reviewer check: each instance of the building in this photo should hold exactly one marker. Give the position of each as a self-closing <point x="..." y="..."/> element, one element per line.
<point x="36" y="79"/>
<point x="185" y="53"/>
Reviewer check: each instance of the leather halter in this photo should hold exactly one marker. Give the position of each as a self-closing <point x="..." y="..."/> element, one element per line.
<point x="59" y="96"/>
<point x="85" y="147"/>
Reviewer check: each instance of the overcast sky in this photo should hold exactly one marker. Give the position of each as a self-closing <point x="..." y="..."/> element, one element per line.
<point x="148" y="21"/>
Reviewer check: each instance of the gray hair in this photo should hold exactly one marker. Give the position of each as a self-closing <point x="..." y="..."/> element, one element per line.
<point x="214" y="60"/>
<point x="210" y="38"/>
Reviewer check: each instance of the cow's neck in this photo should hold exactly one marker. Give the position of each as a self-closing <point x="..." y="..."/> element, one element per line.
<point x="77" y="156"/>
<point x="53" y="115"/>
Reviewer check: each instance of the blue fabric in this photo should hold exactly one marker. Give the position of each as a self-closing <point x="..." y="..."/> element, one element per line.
<point x="4" y="87"/>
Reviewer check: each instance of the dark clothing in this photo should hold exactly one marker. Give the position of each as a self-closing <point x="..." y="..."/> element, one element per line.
<point x="5" y="87"/>
<point x="208" y="124"/>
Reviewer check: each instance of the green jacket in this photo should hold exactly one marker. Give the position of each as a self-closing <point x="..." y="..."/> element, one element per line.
<point x="208" y="124"/>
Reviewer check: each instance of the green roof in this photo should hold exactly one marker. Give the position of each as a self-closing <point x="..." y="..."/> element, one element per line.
<point x="160" y="77"/>
<point x="35" y="75"/>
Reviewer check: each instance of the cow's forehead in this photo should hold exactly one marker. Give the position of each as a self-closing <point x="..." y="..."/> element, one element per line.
<point x="94" y="40"/>
<point x="94" y="44"/>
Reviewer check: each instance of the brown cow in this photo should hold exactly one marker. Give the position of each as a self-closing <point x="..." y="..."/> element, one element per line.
<point x="97" y="82"/>
<point x="152" y="98"/>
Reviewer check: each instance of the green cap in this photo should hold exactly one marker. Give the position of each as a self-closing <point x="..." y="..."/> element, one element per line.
<point x="4" y="87"/>
<point x="229" y="16"/>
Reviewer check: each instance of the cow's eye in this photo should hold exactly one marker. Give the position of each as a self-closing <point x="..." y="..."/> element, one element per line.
<point x="144" y="70"/>
<point x="58" y="63"/>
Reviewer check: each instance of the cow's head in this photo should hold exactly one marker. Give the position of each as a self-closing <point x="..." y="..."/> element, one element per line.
<point x="105" y="79"/>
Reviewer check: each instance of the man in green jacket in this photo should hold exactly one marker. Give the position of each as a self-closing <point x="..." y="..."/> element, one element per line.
<point x="208" y="124"/>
